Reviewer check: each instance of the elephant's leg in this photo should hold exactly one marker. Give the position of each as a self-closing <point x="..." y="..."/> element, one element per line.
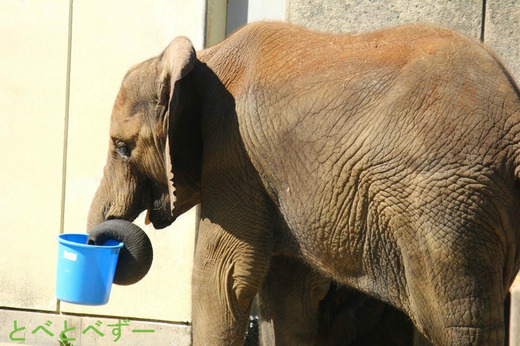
<point x="289" y="301"/>
<point x="299" y="306"/>
<point x="228" y="270"/>
<point x="458" y="328"/>
<point x="456" y="296"/>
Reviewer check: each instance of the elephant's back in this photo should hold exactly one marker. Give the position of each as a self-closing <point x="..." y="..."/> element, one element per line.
<point x="419" y="80"/>
<point x="419" y="96"/>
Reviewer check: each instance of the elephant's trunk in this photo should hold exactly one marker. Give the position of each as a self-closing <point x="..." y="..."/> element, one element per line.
<point x="97" y="212"/>
<point x="119" y="196"/>
<point x="135" y="258"/>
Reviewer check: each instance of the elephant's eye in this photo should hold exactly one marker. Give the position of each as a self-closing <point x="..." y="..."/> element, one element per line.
<point x="122" y="149"/>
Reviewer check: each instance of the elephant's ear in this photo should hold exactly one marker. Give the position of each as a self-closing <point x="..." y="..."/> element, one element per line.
<point x="176" y="62"/>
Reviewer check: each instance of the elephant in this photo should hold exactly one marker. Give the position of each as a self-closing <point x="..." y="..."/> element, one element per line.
<point x="387" y="161"/>
<point x="299" y="306"/>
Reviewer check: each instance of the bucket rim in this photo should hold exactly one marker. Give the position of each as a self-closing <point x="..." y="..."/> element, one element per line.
<point x="61" y="240"/>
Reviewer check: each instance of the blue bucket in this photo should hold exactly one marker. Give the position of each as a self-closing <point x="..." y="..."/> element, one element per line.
<point x="85" y="272"/>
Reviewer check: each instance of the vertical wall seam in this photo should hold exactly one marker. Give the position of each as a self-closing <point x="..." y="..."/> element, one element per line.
<point x="483" y="24"/>
<point x="205" y="30"/>
<point x="215" y="26"/>
<point x="66" y="129"/>
<point x="66" y="120"/>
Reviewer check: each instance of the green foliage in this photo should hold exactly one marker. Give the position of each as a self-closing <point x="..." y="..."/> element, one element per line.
<point x="64" y="343"/>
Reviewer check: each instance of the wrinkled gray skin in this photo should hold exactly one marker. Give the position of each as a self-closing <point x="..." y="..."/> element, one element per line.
<point x="388" y="161"/>
<point x="298" y="306"/>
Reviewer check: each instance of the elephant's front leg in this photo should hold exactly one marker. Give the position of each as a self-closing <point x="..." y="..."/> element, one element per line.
<point x="228" y="271"/>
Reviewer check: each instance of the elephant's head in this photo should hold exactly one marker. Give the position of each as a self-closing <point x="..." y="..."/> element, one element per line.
<point x="154" y="149"/>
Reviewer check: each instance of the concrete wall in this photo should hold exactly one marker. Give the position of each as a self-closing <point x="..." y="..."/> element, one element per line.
<point x="502" y="31"/>
<point x="61" y="65"/>
<point x="240" y="12"/>
<point x="33" y="71"/>
<point x="363" y="15"/>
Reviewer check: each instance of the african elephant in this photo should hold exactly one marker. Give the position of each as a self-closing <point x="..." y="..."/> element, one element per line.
<point x="388" y="161"/>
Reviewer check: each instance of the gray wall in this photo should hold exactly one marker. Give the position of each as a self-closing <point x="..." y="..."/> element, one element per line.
<point x="496" y="22"/>
<point x="502" y="32"/>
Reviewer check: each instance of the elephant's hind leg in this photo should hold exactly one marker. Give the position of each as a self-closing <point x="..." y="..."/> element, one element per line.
<point x="456" y="296"/>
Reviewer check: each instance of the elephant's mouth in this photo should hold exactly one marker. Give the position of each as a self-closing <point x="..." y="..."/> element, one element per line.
<point x="158" y="217"/>
<point x="158" y="212"/>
